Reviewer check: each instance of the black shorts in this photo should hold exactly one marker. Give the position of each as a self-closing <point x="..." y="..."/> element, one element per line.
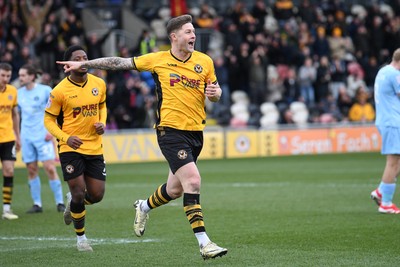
<point x="179" y="147"/>
<point x="75" y="164"/>
<point x="7" y="151"/>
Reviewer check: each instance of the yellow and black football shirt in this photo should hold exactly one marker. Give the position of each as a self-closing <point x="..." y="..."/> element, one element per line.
<point x="180" y="87"/>
<point x="8" y="101"/>
<point x="80" y="107"/>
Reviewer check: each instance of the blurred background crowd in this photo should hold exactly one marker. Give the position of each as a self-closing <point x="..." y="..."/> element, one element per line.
<point x="272" y="57"/>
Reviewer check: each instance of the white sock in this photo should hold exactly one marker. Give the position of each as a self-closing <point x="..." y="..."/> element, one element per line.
<point x="144" y="207"/>
<point x="81" y="237"/>
<point x="6" y="207"/>
<point x="202" y="238"/>
<point x="386" y="204"/>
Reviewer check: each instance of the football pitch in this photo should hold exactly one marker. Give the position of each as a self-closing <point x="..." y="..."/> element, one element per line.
<point x="309" y="210"/>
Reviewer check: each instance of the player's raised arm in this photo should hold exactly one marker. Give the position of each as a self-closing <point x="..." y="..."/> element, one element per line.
<point x="104" y="63"/>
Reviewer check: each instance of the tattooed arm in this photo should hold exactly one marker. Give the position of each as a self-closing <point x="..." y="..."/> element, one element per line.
<point x="104" y="63"/>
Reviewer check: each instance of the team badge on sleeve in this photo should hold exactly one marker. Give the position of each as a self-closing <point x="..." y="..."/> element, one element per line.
<point x="48" y="105"/>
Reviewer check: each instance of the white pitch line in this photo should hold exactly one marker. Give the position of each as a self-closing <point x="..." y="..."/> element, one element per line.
<point x="291" y="184"/>
<point x="66" y="242"/>
<point x="260" y="184"/>
<point x="36" y="238"/>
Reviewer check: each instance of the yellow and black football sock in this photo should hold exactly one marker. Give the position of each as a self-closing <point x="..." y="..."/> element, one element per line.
<point x="192" y="208"/>
<point x="7" y="189"/>
<point x="78" y="213"/>
<point x="159" y="197"/>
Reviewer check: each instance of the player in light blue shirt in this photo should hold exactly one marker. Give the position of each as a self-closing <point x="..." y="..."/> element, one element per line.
<point x="37" y="144"/>
<point x="387" y="102"/>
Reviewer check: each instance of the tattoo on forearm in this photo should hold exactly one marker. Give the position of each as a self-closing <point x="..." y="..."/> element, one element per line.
<point x="109" y="63"/>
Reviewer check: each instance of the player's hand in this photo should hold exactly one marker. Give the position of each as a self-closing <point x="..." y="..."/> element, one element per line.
<point x="48" y="137"/>
<point x="213" y="91"/>
<point x="99" y="128"/>
<point x="74" y="142"/>
<point x="18" y="144"/>
<point x="70" y="65"/>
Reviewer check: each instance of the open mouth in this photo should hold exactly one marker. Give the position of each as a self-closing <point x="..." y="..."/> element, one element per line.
<point x="191" y="43"/>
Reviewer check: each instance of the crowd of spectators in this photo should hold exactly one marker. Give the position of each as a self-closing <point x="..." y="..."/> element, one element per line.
<point x="323" y="53"/>
<point x="318" y="52"/>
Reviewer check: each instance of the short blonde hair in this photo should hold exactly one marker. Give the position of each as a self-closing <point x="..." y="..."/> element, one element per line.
<point x="396" y="55"/>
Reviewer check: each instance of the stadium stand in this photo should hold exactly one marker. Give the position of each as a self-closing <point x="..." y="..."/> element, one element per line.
<point x="279" y="36"/>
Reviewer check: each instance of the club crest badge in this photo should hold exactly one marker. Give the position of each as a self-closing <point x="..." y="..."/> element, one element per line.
<point x="198" y="68"/>
<point x="95" y="91"/>
<point x="69" y="168"/>
<point x="182" y="154"/>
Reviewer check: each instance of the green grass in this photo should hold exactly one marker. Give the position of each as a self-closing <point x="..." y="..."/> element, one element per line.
<point x="279" y="211"/>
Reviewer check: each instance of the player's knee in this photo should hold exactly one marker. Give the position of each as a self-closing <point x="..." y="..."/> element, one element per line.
<point x="194" y="184"/>
<point x="32" y="171"/>
<point x="51" y="171"/>
<point x="78" y="196"/>
<point x="96" y="196"/>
